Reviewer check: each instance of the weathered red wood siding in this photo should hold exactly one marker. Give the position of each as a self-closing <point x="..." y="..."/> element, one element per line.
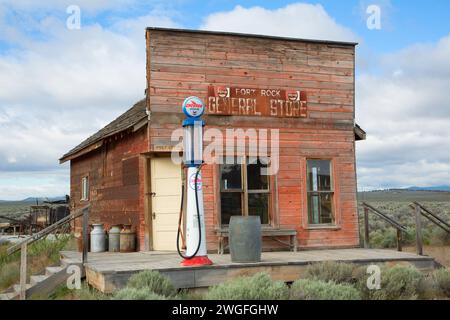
<point x="181" y="64"/>
<point x="116" y="175"/>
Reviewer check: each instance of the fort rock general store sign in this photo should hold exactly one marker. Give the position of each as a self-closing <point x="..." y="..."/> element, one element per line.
<point x="232" y="101"/>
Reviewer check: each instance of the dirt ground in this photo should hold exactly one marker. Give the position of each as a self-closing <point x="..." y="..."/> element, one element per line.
<point x="440" y="253"/>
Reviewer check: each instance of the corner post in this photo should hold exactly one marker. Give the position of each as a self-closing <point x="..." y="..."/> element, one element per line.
<point x="399" y="240"/>
<point x="23" y="271"/>
<point x="366" y="228"/>
<point x="419" y="243"/>
<point x="85" y="235"/>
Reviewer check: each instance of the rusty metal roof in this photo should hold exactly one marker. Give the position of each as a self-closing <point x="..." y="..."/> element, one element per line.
<point x="132" y="117"/>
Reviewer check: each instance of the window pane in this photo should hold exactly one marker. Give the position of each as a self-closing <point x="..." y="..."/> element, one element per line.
<point x="231" y="205"/>
<point x="258" y="205"/>
<point x="313" y="209"/>
<point x="230" y="176"/>
<point x="320" y="208"/>
<point x="84" y="188"/>
<point x="319" y="175"/>
<point x="255" y="180"/>
<point x="326" y="208"/>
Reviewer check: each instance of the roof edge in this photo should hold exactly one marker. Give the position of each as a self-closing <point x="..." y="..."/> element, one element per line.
<point x="133" y="119"/>
<point x="360" y="133"/>
<point x="70" y="156"/>
<point x="99" y="142"/>
<point x="261" y="36"/>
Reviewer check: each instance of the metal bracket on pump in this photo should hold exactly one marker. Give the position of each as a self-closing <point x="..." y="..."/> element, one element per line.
<point x="196" y="255"/>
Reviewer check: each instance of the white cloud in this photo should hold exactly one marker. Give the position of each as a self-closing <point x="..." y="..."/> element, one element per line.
<point x="59" y="88"/>
<point x="294" y="20"/>
<point x="57" y="91"/>
<point x="33" y="184"/>
<point x="406" y="112"/>
<point x="90" y="6"/>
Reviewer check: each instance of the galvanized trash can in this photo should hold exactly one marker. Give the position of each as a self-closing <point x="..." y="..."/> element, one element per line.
<point x="114" y="239"/>
<point x="245" y="239"/>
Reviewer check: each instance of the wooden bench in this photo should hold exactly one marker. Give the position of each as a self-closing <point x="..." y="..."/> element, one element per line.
<point x="272" y="233"/>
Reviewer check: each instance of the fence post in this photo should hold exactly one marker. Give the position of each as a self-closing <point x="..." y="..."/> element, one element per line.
<point x="23" y="271"/>
<point x="85" y="235"/>
<point x="399" y="240"/>
<point x="419" y="244"/>
<point x="366" y="228"/>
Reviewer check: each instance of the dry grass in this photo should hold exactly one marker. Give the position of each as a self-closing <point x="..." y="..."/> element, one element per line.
<point x="40" y="255"/>
<point x="63" y="293"/>
<point x="440" y="253"/>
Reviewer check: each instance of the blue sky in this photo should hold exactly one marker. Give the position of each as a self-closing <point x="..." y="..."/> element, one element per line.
<point x="404" y="22"/>
<point x="51" y="77"/>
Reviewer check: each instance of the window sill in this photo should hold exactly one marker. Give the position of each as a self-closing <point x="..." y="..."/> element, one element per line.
<point x="264" y="227"/>
<point x="324" y="227"/>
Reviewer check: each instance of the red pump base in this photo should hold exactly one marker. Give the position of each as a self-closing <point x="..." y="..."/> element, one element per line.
<point x="196" y="261"/>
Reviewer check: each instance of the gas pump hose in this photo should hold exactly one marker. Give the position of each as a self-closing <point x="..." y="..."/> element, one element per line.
<point x="198" y="220"/>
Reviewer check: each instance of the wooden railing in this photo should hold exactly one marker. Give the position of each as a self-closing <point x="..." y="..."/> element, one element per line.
<point x="23" y="245"/>
<point x="400" y="228"/>
<point x="420" y="211"/>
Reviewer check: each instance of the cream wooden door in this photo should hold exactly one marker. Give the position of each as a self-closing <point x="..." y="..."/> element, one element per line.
<point x="166" y="187"/>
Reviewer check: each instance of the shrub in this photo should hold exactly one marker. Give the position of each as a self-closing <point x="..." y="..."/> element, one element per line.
<point x="439" y="237"/>
<point x="442" y="279"/>
<point x="337" y="272"/>
<point x="383" y="238"/>
<point x="152" y="281"/>
<point x="9" y="274"/>
<point x="427" y="289"/>
<point x="40" y="254"/>
<point x="308" y="289"/>
<point x="137" y="294"/>
<point x="397" y="283"/>
<point x="258" y="287"/>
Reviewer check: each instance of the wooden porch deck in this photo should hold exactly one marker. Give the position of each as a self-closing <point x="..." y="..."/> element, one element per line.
<point x="110" y="271"/>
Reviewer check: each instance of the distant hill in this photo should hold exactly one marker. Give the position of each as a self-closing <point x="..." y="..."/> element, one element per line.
<point x="33" y="199"/>
<point x="437" y="188"/>
<point x="405" y="195"/>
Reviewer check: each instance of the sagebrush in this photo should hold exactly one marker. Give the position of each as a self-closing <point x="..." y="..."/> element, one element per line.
<point x="311" y="289"/>
<point x="442" y="280"/>
<point x="257" y="287"/>
<point x="337" y="272"/>
<point x="397" y="283"/>
<point x="137" y="294"/>
<point x="153" y="281"/>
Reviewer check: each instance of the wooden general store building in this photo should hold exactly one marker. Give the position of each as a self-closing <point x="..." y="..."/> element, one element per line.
<point x="305" y="89"/>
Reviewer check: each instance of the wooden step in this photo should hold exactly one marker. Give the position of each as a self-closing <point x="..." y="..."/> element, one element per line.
<point x="66" y="262"/>
<point x="9" y="296"/>
<point x="45" y="283"/>
<point x="52" y="270"/>
<point x="17" y="287"/>
<point x="36" y="279"/>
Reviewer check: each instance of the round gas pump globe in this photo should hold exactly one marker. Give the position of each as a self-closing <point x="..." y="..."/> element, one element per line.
<point x="192" y="182"/>
<point x="193" y="107"/>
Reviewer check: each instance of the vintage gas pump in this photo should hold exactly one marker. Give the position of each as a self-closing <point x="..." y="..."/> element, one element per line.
<point x="196" y="254"/>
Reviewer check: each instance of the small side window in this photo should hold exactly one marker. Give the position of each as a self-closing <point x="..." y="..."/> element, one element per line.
<point x="85" y="189"/>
